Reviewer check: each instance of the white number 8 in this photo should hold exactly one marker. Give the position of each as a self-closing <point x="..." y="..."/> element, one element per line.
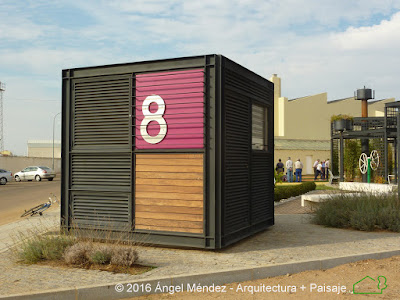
<point x="157" y="117"/>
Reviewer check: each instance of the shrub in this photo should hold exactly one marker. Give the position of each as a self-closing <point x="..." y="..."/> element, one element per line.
<point x="286" y="191"/>
<point x="77" y="254"/>
<point x="364" y="212"/>
<point x="100" y="255"/>
<point x="340" y="117"/>
<point x="83" y="253"/>
<point x="124" y="256"/>
<point x="42" y="247"/>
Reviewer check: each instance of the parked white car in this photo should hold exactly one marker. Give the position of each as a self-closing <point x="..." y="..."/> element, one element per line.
<point x="35" y="173"/>
<point x="5" y="176"/>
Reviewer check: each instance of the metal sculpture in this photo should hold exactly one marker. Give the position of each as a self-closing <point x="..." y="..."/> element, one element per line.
<point x="366" y="163"/>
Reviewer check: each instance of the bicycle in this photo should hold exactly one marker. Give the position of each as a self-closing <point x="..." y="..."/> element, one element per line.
<point x="39" y="209"/>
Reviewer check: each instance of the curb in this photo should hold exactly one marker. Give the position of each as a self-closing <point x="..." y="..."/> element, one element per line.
<point x="206" y="279"/>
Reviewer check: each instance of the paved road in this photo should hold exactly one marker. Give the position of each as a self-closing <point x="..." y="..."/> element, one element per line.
<point x="15" y="197"/>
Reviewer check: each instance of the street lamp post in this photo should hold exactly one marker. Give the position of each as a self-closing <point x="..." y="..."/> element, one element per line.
<point x="54" y="121"/>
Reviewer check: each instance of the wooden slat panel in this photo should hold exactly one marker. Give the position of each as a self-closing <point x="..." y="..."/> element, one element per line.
<point x="169" y="189"/>
<point x="169" y="192"/>
<point x="168" y="169"/>
<point x="170" y="209"/>
<point x="166" y="223"/>
<point x="175" y="229"/>
<point x="166" y="202"/>
<point x="169" y="216"/>
<point x="172" y="196"/>
<point x="165" y="175"/>
<point x="179" y="183"/>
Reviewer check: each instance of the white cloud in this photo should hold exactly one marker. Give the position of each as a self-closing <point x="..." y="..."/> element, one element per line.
<point x="49" y="62"/>
<point x="19" y="29"/>
<point x="383" y="36"/>
<point x="20" y="32"/>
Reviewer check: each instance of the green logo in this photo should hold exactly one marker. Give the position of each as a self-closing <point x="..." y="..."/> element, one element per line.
<point x="370" y="285"/>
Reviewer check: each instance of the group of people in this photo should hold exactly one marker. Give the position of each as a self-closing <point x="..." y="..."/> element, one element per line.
<point x="320" y="169"/>
<point x="297" y="167"/>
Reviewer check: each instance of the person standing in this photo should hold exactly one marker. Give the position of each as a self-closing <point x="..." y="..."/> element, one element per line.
<point x="323" y="170"/>
<point x="315" y="169"/>
<point x="327" y="166"/>
<point x="289" y="170"/>
<point x="298" y="165"/>
<point x="319" y="171"/>
<point x="279" y="167"/>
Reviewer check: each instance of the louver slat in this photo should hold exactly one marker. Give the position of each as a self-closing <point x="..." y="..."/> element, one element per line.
<point x="101" y="113"/>
<point x="261" y="189"/>
<point x="93" y="210"/>
<point x="108" y="171"/>
<point x="236" y="163"/>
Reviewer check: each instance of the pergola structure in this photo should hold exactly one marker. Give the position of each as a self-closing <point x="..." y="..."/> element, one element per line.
<point x="385" y="129"/>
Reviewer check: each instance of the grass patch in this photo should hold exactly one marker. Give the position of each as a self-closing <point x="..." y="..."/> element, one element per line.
<point x="286" y="191"/>
<point x="43" y="247"/>
<point x="324" y="187"/>
<point x="361" y="212"/>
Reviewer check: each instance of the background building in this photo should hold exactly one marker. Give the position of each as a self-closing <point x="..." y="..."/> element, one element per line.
<point x="302" y="125"/>
<point x="5" y="153"/>
<point x="44" y="148"/>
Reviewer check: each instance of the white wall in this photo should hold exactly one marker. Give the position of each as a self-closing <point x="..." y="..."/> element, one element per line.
<point x="17" y="163"/>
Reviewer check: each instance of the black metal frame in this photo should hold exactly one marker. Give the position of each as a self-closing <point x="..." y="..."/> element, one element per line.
<point x="214" y="66"/>
<point x="385" y="128"/>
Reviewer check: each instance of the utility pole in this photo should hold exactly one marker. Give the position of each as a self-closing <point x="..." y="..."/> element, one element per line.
<point x="2" y="89"/>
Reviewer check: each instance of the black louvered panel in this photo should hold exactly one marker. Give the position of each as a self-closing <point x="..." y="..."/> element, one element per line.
<point x="262" y="190"/>
<point x="100" y="210"/>
<point x="251" y="88"/>
<point x="237" y="151"/>
<point x="101" y="113"/>
<point x="111" y="171"/>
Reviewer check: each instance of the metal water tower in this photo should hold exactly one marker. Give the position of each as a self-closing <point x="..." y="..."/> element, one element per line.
<point x="364" y="95"/>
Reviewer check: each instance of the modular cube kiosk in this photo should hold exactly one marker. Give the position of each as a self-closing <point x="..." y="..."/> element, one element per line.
<point x="174" y="152"/>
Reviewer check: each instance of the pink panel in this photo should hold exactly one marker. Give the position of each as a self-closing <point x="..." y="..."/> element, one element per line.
<point x="182" y="93"/>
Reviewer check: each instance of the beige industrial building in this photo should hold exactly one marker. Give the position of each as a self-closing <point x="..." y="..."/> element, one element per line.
<point x="302" y="125"/>
<point x="44" y="148"/>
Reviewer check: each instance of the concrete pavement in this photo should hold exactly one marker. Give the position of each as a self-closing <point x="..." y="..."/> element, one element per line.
<point x="292" y="245"/>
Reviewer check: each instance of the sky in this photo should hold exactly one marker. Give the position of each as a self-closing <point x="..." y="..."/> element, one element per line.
<point x="333" y="46"/>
